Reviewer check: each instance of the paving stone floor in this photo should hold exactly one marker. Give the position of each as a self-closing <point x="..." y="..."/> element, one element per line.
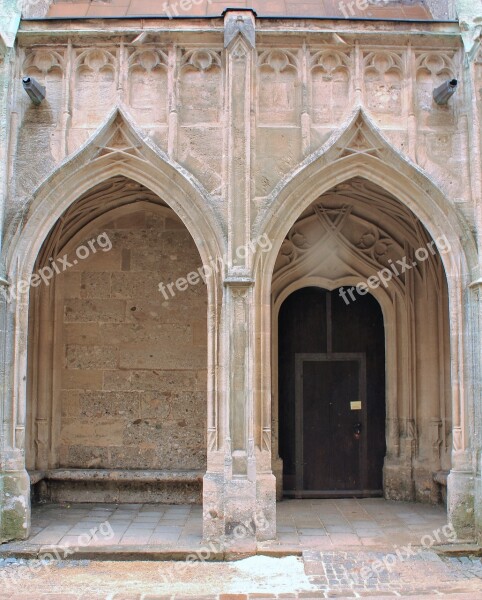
<point x="123" y="524"/>
<point x="349" y="549"/>
<point x="301" y="524"/>
<point x="332" y="524"/>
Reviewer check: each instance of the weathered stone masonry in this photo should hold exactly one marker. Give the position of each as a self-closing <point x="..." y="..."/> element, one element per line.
<point x="189" y="138"/>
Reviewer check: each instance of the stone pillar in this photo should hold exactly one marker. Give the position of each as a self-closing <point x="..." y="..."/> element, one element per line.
<point x="464" y="487"/>
<point x="14" y="481"/>
<point x="461" y="484"/>
<point x="239" y="503"/>
<point x="464" y="493"/>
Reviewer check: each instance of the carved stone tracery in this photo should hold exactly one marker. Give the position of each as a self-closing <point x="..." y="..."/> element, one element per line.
<point x="95" y="85"/>
<point x="200" y="86"/>
<point x="383" y="82"/>
<point x="352" y="213"/>
<point x="147" y="83"/>
<point x="42" y="61"/>
<point x="348" y="237"/>
<point x="432" y="69"/>
<point x="279" y="90"/>
<point x="331" y="78"/>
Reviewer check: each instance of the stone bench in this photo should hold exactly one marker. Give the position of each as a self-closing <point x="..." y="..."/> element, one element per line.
<point x="117" y="485"/>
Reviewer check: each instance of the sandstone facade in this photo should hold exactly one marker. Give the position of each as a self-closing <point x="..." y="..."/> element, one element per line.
<point x="184" y="141"/>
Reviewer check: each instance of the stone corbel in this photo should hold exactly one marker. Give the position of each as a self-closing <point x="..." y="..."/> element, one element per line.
<point x="9" y="23"/>
<point x="470" y="20"/>
<point x="238" y="24"/>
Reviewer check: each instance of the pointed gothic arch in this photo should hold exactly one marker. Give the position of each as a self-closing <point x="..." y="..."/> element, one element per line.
<point x="117" y="149"/>
<point x="358" y="149"/>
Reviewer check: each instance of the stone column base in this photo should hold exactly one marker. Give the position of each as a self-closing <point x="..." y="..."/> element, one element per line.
<point x="460" y="502"/>
<point x="14" y="505"/>
<point x="265" y="510"/>
<point x="213" y="507"/>
<point x="427" y="490"/>
<point x="239" y="512"/>
<point x="397" y="482"/>
<point x="478" y="508"/>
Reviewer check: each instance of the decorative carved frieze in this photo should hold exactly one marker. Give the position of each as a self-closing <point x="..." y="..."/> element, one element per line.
<point x="200" y="86"/>
<point x="301" y="93"/>
<point x="432" y="69"/>
<point x="383" y="72"/>
<point x="330" y="85"/>
<point x="279" y="90"/>
<point x="148" y="86"/>
<point x="95" y="86"/>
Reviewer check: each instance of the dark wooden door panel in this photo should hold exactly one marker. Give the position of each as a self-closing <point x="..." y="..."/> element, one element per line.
<point x="331" y="355"/>
<point x="330" y="455"/>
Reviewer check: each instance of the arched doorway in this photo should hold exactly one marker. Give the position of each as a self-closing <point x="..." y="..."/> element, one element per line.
<point x="331" y="394"/>
<point x="117" y="365"/>
<point x="360" y="240"/>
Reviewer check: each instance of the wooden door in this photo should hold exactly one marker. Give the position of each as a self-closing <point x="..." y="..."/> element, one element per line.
<point x="331" y="391"/>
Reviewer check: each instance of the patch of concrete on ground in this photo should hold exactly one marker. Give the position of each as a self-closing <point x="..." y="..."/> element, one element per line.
<point x="284" y="575"/>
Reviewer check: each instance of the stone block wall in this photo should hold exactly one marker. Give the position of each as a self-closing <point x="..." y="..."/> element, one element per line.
<point x="133" y="386"/>
<point x="238" y="126"/>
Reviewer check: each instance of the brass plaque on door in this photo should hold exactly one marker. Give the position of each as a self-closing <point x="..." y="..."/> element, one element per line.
<point x="356" y="405"/>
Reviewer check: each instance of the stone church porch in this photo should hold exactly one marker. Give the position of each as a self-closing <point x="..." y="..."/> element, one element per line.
<point x="157" y="531"/>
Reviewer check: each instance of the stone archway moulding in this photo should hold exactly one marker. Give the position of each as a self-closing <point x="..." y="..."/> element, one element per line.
<point x="358" y="149"/>
<point x="116" y="149"/>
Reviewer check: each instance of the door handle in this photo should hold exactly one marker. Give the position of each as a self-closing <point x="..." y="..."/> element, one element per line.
<point x="357" y="429"/>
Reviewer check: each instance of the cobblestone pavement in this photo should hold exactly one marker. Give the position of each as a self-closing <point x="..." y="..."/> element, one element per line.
<point x="315" y="575"/>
